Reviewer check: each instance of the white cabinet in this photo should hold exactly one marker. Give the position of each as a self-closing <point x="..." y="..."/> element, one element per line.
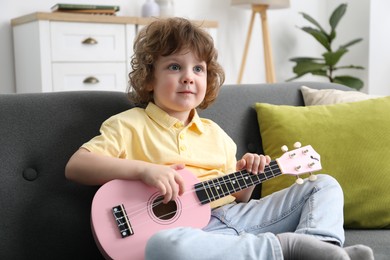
<point x="89" y="76"/>
<point x="66" y="52"/>
<point x="87" y="42"/>
<point x="69" y="55"/>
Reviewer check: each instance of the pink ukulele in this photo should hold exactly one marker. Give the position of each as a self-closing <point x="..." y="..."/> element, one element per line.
<point x="125" y="214"/>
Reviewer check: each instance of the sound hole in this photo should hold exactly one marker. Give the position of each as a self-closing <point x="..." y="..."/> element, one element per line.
<point x="164" y="211"/>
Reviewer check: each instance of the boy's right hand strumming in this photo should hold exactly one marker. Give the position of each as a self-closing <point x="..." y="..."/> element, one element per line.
<point x="165" y="178"/>
<point x="94" y="169"/>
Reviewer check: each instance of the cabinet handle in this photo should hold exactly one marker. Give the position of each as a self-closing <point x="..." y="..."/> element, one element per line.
<point x="91" y="80"/>
<point x="90" y="41"/>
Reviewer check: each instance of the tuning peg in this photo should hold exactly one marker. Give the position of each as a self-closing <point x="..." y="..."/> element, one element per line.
<point x="297" y="145"/>
<point x="299" y="181"/>
<point x="310" y="165"/>
<point x="312" y="177"/>
<point x="284" y="148"/>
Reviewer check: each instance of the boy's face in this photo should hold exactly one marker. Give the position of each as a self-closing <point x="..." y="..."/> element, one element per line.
<point x="180" y="82"/>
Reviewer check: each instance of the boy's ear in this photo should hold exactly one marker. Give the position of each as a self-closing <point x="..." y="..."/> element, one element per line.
<point x="149" y="87"/>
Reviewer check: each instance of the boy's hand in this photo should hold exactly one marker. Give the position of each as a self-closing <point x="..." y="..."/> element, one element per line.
<point x="253" y="163"/>
<point x="166" y="179"/>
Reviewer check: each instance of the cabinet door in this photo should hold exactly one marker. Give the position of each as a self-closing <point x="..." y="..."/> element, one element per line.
<point x="89" y="76"/>
<point x="87" y="41"/>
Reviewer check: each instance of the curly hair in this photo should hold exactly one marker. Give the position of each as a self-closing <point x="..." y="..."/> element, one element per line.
<point x="168" y="36"/>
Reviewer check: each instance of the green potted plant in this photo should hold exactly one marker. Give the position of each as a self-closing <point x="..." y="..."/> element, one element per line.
<point x="327" y="65"/>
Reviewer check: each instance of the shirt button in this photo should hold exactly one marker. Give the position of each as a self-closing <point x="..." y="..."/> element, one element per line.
<point x="183" y="148"/>
<point x="182" y="136"/>
<point x="178" y="124"/>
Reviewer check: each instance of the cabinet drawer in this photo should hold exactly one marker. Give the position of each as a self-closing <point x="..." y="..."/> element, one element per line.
<point x="89" y="76"/>
<point x="87" y="41"/>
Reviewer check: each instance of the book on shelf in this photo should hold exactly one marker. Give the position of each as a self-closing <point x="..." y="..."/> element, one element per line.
<point x="85" y="8"/>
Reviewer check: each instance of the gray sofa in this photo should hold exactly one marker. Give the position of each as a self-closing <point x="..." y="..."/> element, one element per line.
<point x="45" y="216"/>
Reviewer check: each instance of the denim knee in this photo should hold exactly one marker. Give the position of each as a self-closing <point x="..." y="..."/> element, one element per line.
<point x="163" y="245"/>
<point x="325" y="180"/>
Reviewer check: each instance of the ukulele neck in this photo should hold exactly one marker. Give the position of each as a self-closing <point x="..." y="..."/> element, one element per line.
<point x="211" y="190"/>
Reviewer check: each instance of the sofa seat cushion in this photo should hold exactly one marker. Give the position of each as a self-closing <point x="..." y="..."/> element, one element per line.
<point x="353" y="140"/>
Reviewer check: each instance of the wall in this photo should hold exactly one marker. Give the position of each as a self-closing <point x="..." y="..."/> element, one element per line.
<point x="379" y="60"/>
<point x="287" y="40"/>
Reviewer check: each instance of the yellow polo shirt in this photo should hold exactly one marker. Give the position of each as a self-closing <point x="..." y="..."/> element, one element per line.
<point x="152" y="135"/>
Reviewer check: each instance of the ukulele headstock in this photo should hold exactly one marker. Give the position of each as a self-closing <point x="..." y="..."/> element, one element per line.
<point x="299" y="161"/>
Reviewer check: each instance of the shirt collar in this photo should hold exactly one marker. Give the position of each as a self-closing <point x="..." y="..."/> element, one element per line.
<point x="164" y="119"/>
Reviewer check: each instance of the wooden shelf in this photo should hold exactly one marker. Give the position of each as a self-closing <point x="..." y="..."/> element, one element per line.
<point x="95" y="18"/>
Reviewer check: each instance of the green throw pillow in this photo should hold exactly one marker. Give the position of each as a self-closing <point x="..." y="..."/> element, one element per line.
<point x="353" y="140"/>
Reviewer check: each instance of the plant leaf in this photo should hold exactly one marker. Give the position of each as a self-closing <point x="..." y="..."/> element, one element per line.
<point x="290" y="79"/>
<point x="349" y="81"/>
<point x="331" y="58"/>
<point x="351" y="43"/>
<point x="349" y="67"/>
<point x="317" y="73"/>
<point x="337" y="14"/>
<point x="320" y="73"/>
<point x="332" y="35"/>
<point x="319" y="36"/>
<point x="307" y="66"/>
<point x="299" y="59"/>
<point x="313" y="21"/>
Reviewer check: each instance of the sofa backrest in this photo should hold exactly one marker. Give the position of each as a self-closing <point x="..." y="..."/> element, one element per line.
<point x="45" y="216"/>
<point x="234" y="109"/>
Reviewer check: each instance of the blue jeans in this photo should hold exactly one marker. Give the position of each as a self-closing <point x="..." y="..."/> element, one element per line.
<point x="248" y="230"/>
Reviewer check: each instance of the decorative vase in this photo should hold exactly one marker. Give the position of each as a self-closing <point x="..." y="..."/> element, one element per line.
<point x="150" y="8"/>
<point x="167" y="8"/>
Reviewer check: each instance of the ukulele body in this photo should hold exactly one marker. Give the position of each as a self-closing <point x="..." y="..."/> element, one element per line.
<point x="123" y="234"/>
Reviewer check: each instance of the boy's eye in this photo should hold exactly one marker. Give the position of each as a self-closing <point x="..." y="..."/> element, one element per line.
<point x="174" y="67"/>
<point x="198" y="68"/>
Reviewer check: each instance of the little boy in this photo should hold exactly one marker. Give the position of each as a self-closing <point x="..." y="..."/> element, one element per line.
<point x="174" y="72"/>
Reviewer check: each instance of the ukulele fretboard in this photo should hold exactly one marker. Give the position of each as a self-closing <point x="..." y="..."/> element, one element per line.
<point x="220" y="187"/>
